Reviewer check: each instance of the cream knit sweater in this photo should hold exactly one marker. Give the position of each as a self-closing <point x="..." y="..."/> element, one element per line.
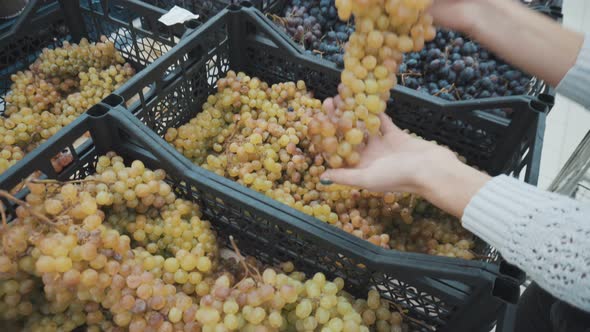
<point x="545" y="234"/>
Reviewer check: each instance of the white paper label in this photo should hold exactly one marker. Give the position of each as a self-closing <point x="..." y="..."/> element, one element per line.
<point x="177" y="15"/>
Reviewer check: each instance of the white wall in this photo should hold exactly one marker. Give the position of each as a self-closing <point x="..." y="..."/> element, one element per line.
<point x="568" y="122"/>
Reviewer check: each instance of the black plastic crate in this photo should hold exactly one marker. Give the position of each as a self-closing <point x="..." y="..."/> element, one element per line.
<point x="534" y="87"/>
<point x="447" y="295"/>
<point x="494" y="144"/>
<point x="173" y="89"/>
<point x="48" y="25"/>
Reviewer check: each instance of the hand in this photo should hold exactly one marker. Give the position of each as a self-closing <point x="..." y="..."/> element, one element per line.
<point x="392" y="162"/>
<point x="524" y="38"/>
<point x="397" y="162"/>
<point x="458" y="15"/>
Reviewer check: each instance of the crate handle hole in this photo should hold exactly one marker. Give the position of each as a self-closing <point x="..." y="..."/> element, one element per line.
<point x="512" y="271"/>
<point x="246" y="4"/>
<point x="192" y="24"/>
<point x="113" y="100"/>
<point x="538" y="105"/>
<point x="547" y="98"/>
<point x="98" y="110"/>
<point x="506" y="290"/>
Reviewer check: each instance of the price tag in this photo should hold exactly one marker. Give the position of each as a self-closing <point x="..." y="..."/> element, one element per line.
<point x="177" y="15"/>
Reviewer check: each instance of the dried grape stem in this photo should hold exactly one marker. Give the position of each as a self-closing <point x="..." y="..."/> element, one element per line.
<point x="277" y="19"/>
<point x="57" y="182"/>
<point x="481" y="257"/>
<point x="247" y="268"/>
<point x="22" y="184"/>
<point x="3" y="212"/>
<point x="10" y="197"/>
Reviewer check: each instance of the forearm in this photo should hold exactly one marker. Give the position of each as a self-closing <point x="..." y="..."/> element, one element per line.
<point x="527" y="39"/>
<point x="542" y="233"/>
<point x="451" y="186"/>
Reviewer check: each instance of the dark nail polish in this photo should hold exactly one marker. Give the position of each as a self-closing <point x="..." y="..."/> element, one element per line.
<point x="326" y="182"/>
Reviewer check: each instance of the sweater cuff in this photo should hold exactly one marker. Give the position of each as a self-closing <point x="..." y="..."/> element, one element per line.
<point x="491" y="213"/>
<point x="575" y="83"/>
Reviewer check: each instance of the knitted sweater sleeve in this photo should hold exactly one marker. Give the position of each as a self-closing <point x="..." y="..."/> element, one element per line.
<point x="576" y="83"/>
<point x="545" y="234"/>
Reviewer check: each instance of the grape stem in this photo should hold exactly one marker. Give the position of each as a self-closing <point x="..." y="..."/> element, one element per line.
<point x="58" y="182"/>
<point x="22" y="184"/>
<point x="409" y="73"/>
<point x="403" y="311"/>
<point x="482" y="257"/>
<point x="247" y="267"/>
<point x="277" y="19"/>
<point x="3" y="213"/>
<point x="40" y="216"/>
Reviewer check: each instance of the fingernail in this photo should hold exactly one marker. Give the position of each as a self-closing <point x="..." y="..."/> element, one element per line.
<point x="326" y="182"/>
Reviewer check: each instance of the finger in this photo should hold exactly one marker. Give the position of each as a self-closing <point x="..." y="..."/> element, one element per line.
<point x="328" y="105"/>
<point x="345" y="176"/>
<point x="387" y="125"/>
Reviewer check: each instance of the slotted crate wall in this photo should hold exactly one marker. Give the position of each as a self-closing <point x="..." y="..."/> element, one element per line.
<point x="242" y="39"/>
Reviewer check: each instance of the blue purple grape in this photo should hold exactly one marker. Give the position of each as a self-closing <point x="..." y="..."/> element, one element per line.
<point x="451" y="66"/>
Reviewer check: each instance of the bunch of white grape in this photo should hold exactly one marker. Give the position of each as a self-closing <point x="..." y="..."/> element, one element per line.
<point x="385" y="29"/>
<point x="59" y="86"/>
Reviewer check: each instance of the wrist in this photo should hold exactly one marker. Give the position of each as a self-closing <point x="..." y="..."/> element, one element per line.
<point x="451" y="186"/>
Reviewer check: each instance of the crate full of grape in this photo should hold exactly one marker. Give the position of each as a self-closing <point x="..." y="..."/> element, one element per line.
<point x="58" y="59"/>
<point x="127" y="236"/>
<point x="451" y="66"/>
<point x="199" y="109"/>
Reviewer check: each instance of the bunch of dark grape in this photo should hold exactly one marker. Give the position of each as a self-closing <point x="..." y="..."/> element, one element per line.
<point x="336" y="34"/>
<point x="455" y="68"/>
<point x="303" y="22"/>
<point x="118" y="251"/>
<point x="259" y="136"/>
<point x="451" y="67"/>
<point x="59" y="86"/>
<point x="327" y="34"/>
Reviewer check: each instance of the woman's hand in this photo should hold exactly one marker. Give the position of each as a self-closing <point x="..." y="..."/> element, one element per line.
<point x="393" y="161"/>
<point x="458" y="15"/>
<point x="399" y="162"/>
